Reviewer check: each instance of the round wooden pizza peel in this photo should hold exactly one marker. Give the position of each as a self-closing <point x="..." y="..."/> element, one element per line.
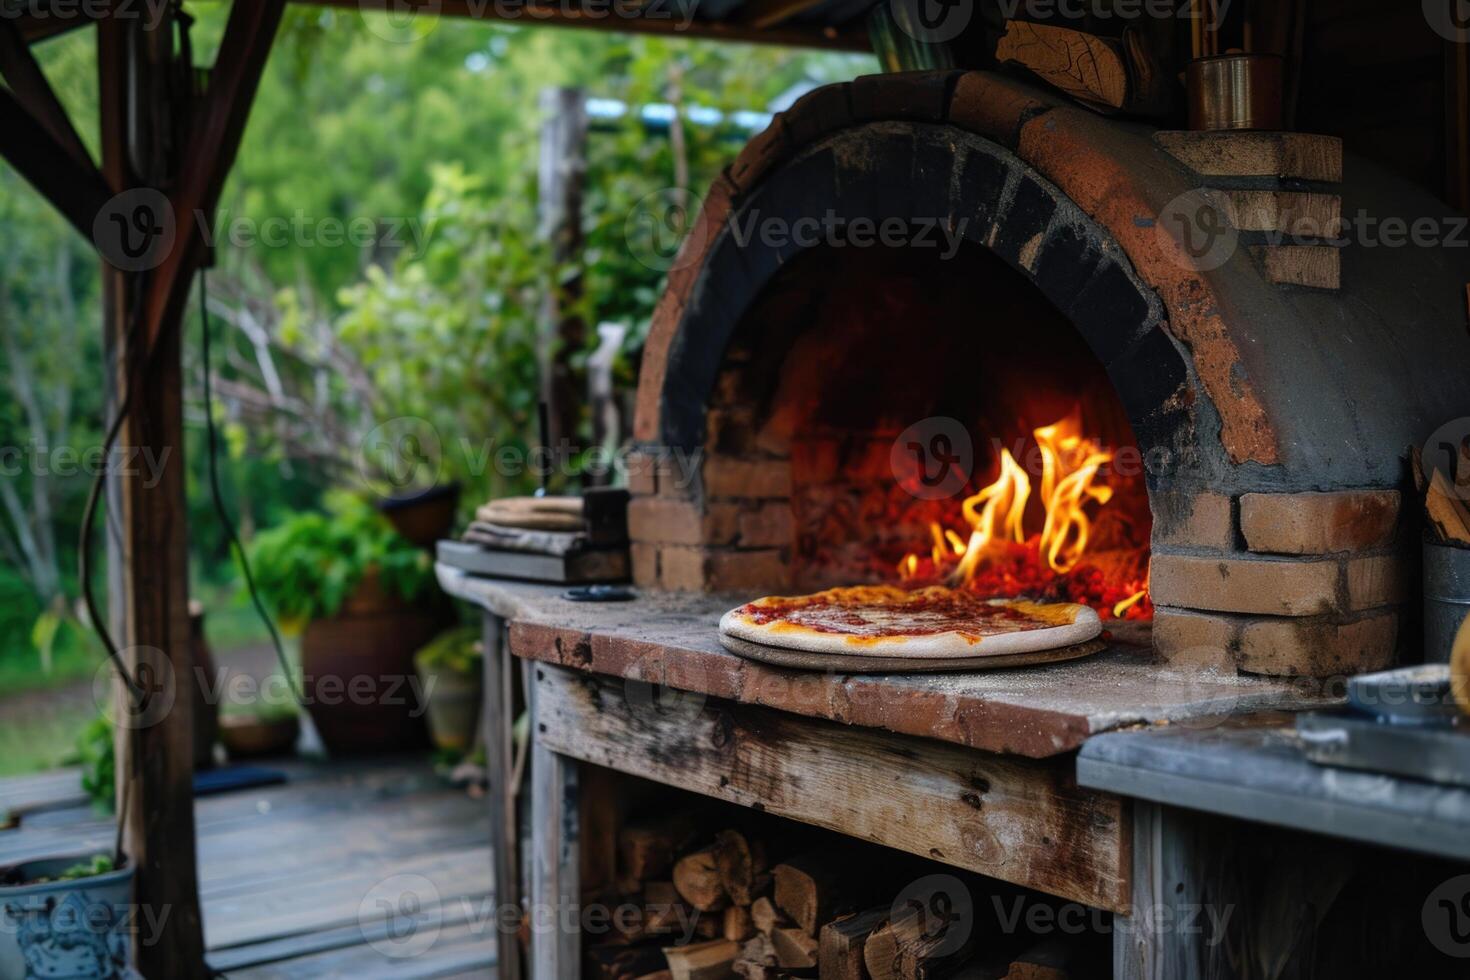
<point x="843" y="663"/>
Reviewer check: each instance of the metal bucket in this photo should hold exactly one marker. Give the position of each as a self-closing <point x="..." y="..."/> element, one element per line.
<point x="1446" y="598"/>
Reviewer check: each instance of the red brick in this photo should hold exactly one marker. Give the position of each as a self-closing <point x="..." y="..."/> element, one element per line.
<point x="747" y="571"/>
<point x="819" y="112"/>
<point x="992" y="105"/>
<point x="1193" y="639"/>
<point x="730" y="431"/>
<point x="1378" y="580"/>
<point x="1319" y="523"/>
<point x="1235" y="154"/>
<point x="667" y="315"/>
<point x="747" y="478"/>
<point x="1318" y="647"/>
<point x="681" y="568"/>
<point x="1273" y="586"/>
<point x="921" y="95"/>
<point x="769" y="525"/>
<point x="767" y="150"/>
<point x="645" y="565"/>
<point x="665" y="521"/>
<point x="641" y="478"/>
<point x="1195" y="520"/>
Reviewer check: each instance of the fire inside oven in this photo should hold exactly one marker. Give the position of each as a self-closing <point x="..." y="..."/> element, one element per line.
<point x="945" y="425"/>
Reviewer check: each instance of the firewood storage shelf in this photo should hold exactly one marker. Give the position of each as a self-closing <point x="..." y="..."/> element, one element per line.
<point x="973" y="770"/>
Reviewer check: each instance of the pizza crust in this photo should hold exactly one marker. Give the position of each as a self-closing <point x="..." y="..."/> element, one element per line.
<point x="1055" y="625"/>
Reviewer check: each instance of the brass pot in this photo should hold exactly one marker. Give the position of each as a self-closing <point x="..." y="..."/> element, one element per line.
<point x="1235" y="91"/>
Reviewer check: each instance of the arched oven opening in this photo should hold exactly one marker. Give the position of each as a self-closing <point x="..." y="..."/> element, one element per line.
<point x="943" y="423"/>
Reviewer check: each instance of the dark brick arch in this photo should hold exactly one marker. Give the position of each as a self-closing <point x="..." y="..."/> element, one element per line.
<point x="974" y="185"/>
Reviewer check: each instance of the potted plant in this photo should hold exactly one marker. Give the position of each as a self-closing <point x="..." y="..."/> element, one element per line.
<point x="252" y="730"/>
<point x="65" y="917"/>
<point x="362" y="597"/>
<point x="449" y="675"/>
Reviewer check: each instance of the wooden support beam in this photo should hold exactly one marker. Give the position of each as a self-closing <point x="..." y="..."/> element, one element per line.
<point x="77" y="191"/>
<point x="561" y="332"/>
<point x="24" y="76"/>
<point x="664" y="19"/>
<point x="214" y="139"/>
<point x="1021" y="821"/>
<point x="148" y="553"/>
<point x="765" y="14"/>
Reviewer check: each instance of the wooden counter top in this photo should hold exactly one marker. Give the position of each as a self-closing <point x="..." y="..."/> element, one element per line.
<point x="664" y="638"/>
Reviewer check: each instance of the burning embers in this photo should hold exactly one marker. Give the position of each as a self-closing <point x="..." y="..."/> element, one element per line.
<point x="1055" y="540"/>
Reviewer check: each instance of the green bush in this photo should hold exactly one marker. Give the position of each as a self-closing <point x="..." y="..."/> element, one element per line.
<point x="306" y="567"/>
<point x="99" y="769"/>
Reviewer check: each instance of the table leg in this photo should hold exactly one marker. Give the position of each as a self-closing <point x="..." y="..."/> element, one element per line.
<point x="497" y="716"/>
<point x="555" y="861"/>
<point x="1162" y="937"/>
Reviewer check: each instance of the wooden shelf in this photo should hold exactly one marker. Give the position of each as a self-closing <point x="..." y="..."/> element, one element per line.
<point x="671" y="639"/>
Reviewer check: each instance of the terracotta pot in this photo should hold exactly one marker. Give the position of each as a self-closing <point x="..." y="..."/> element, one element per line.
<point x="248" y="738"/>
<point x="359" y="673"/>
<point x="425" y="516"/>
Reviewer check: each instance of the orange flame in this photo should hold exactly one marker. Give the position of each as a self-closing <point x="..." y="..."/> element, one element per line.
<point x="1069" y="481"/>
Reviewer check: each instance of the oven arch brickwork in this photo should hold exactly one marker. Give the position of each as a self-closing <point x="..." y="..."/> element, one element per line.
<point x="1263" y="506"/>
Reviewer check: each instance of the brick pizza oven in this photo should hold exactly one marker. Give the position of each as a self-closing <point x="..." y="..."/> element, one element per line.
<point x="1266" y="391"/>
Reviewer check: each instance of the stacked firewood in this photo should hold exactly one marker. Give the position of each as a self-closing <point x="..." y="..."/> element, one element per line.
<point x="714" y="907"/>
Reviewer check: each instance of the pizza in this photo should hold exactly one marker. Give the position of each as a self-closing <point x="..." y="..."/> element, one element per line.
<point x="931" y="623"/>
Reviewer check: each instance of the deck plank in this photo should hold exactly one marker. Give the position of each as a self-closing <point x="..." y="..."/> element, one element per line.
<point x="292" y="876"/>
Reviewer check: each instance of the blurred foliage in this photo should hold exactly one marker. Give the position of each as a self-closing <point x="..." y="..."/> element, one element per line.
<point x="456" y="650"/>
<point x="99" y="772"/>
<point x="309" y="564"/>
<point x="436" y="140"/>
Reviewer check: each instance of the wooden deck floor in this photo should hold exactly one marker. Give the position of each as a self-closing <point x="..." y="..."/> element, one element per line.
<point x="360" y="869"/>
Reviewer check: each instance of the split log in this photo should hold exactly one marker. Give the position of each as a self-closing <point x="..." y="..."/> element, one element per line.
<point x="697" y="880"/>
<point x="1050" y="959"/>
<point x="765" y="916"/>
<point x="1447" y="512"/>
<point x="736" y="866"/>
<point x="754" y="971"/>
<point x="657" y="975"/>
<point x="758" y="949"/>
<point x="901" y="949"/>
<point x="841" y="944"/>
<point x="647" y="849"/>
<point x="1083" y="65"/>
<point x="795" y="949"/>
<point x="737" y="924"/>
<point x="708" y="926"/>
<point x="806" y="888"/>
<point x="702" y="961"/>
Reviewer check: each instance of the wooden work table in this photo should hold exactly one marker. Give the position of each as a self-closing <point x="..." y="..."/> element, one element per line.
<point x="975" y="770"/>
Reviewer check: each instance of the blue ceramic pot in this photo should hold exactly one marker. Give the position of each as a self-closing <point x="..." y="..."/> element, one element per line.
<point x="66" y="929"/>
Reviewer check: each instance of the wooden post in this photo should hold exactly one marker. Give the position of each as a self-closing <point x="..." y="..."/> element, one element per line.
<point x="555" y="859"/>
<point x="559" y="178"/>
<point x="148" y="553"/>
<point x="497" y="719"/>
